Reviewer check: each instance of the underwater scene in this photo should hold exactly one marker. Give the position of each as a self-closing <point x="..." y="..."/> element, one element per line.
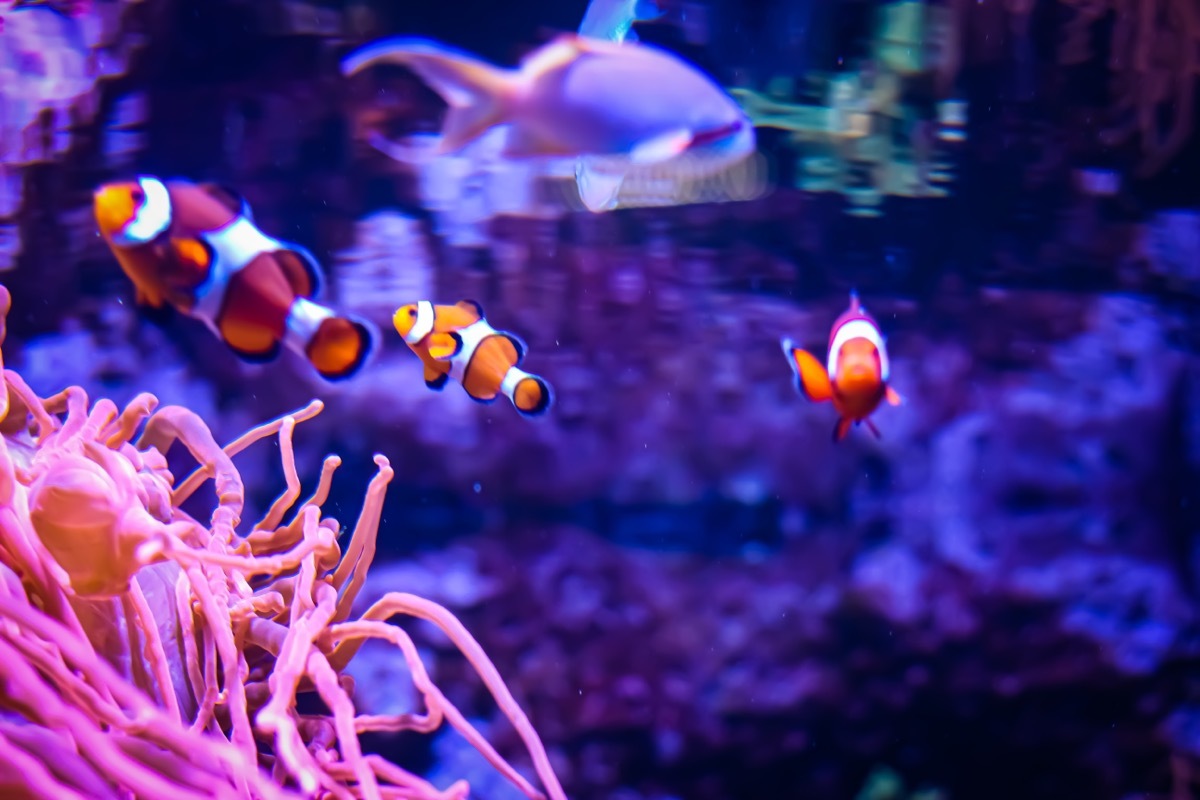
<point x="600" y="399"/>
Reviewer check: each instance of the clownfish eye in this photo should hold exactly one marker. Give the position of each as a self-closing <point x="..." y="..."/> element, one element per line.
<point x="412" y="312"/>
<point x="137" y="195"/>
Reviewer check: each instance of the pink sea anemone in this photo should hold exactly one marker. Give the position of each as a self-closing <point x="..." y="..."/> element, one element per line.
<point x="146" y="654"/>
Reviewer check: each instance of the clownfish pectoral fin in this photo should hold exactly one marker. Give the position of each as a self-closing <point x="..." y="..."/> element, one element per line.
<point x="230" y="198"/>
<point x="811" y="378"/>
<point x="841" y="428"/>
<point x="893" y="397"/>
<point x="436" y="380"/>
<point x="193" y="257"/>
<point x="444" y="346"/>
<point x="301" y="268"/>
<point x="873" y="429"/>
<point x="472" y="306"/>
<point x="341" y="346"/>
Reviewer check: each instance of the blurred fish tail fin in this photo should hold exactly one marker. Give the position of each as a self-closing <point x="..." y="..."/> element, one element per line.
<point x="477" y="93"/>
<point x="647" y="10"/>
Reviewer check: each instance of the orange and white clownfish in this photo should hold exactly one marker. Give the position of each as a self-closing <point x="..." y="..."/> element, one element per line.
<point x="457" y="342"/>
<point x="856" y="375"/>
<point x="195" y="247"/>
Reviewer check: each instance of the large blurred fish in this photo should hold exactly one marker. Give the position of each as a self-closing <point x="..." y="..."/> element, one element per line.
<point x="856" y="374"/>
<point x="614" y="19"/>
<point x="613" y="106"/>
<point x="196" y="248"/>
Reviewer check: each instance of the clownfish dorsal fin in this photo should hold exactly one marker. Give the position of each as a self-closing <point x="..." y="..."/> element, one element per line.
<point x="444" y="346"/>
<point x="855" y="303"/>
<point x="435" y="380"/>
<point x="301" y="269"/>
<point x="232" y="199"/>
<point x="472" y="306"/>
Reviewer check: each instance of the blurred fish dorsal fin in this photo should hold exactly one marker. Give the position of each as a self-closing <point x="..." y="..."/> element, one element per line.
<point x="555" y="54"/>
<point x="645" y="10"/>
<point x="598" y="190"/>
<point x="662" y="147"/>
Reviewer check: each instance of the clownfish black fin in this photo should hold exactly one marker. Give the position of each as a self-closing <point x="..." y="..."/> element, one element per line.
<point x="340" y="347"/>
<point x="873" y="429"/>
<point x="472" y="306"/>
<point x="301" y="268"/>
<point x="228" y="197"/>
<point x="251" y="356"/>
<point x="517" y="344"/>
<point x="531" y="395"/>
<point x="436" y="380"/>
<point x="483" y="401"/>
<point x="444" y="346"/>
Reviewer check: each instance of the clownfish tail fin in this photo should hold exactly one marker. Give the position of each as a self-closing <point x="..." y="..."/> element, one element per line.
<point x="810" y="376"/>
<point x="530" y="394"/>
<point x="337" y="345"/>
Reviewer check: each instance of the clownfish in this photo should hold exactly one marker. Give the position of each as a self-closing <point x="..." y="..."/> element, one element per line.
<point x="856" y="375"/>
<point x="457" y="342"/>
<point x="195" y="247"/>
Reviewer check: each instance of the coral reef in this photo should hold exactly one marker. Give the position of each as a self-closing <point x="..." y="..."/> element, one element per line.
<point x="792" y="672"/>
<point x="145" y="654"/>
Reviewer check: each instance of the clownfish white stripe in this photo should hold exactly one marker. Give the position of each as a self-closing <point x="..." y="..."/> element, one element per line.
<point x="471" y="336"/>
<point x="239" y="243"/>
<point x="857" y="329"/>
<point x="152" y="218"/>
<point x="233" y="247"/>
<point x="514" y="376"/>
<point x="303" y="321"/>
<point x="424" y="324"/>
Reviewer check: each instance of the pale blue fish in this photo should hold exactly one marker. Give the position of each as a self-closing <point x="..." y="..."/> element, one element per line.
<point x="614" y="19"/>
<point x="614" y="106"/>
